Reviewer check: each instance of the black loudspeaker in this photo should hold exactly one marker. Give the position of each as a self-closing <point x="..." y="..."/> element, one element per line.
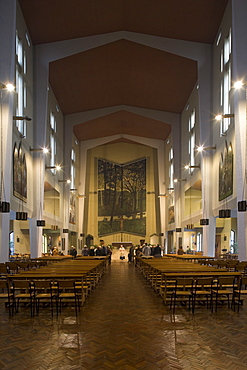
<point x="4" y="207"/>
<point x="190" y="226"/>
<point x="21" y="216"/>
<point x="40" y="222"/>
<point x="24" y="216"/>
<point x="204" y="221"/>
<point x="222" y="213"/>
<point x="18" y="215"/>
<point x="178" y="230"/>
<point x="65" y="231"/>
<point x="227" y="213"/>
<point x="242" y="206"/>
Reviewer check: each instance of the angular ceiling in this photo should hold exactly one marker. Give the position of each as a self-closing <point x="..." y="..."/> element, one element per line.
<point x="58" y="20"/>
<point x="122" y="122"/>
<point x="122" y="72"/>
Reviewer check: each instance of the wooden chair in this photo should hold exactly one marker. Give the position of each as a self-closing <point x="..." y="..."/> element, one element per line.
<point x="7" y="295"/>
<point x="222" y="290"/>
<point x="12" y="267"/>
<point x="222" y="264"/>
<point x="67" y="292"/>
<point x="202" y="291"/>
<point x="81" y="290"/>
<point x="241" y="267"/>
<point x="239" y="292"/>
<point x="4" y="270"/>
<point x="44" y="292"/>
<point x="23" y="290"/>
<point x="183" y="292"/>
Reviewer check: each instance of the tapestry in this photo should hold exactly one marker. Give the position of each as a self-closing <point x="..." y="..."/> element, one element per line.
<point x="72" y="209"/>
<point x="122" y="197"/>
<point x="226" y="172"/>
<point x="19" y="174"/>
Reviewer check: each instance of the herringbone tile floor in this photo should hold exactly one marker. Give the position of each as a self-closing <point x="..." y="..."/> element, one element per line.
<point x="124" y="325"/>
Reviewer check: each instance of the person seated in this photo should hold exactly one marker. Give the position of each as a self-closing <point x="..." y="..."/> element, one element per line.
<point x="55" y="251"/>
<point x="180" y="250"/>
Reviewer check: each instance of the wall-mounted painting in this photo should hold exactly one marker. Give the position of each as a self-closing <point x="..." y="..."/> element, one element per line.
<point x="19" y="174"/>
<point x="122" y="197"/>
<point x="226" y="172"/>
<point x="72" y="209"/>
<point x="171" y="217"/>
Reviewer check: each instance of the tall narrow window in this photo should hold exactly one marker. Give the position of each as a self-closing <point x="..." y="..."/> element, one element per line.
<point x="199" y="242"/>
<point x="192" y="122"/>
<point x="21" y="94"/>
<point x="225" y="69"/>
<point x="73" y="172"/>
<point x="52" y="140"/>
<point x="171" y="168"/>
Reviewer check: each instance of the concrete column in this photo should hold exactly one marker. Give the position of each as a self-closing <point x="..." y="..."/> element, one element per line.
<point x="205" y="100"/>
<point x="7" y="75"/>
<point x="40" y="119"/>
<point x="35" y="238"/>
<point x="239" y="57"/>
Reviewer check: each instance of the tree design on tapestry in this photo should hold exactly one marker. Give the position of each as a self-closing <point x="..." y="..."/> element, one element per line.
<point x="122" y="197"/>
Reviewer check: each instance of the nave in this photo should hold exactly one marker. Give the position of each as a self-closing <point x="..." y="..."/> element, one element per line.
<point x="125" y="325"/>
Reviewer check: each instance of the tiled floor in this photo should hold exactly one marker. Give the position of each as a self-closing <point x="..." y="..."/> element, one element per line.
<point x="124" y="325"/>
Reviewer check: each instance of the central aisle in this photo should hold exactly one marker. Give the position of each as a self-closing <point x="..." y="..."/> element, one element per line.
<point x="124" y="324"/>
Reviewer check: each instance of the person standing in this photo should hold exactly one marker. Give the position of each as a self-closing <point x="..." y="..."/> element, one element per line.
<point x="98" y="251"/>
<point x="103" y="248"/>
<point x="85" y="251"/>
<point x="73" y="251"/>
<point x="91" y="251"/>
<point x="146" y="250"/>
<point x="109" y="253"/>
<point x="157" y="251"/>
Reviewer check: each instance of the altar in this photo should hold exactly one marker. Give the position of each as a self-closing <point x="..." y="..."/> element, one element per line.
<point x="124" y="244"/>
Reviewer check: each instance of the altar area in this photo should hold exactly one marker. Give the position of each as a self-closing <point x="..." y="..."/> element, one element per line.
<point x="116" y="253"/>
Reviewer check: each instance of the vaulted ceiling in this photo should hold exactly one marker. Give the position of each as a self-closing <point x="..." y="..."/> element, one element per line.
<point x="122" y="73"/>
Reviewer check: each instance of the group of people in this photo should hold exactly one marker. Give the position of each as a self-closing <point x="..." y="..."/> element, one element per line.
<point x="100" y="250"/>
<point x="103" y="250"/>
<point x="148" y="250"/>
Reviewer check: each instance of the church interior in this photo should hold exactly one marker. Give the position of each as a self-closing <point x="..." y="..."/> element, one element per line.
<point x="123" y="123"/>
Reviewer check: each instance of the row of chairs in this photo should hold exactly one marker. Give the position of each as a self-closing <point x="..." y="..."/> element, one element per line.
<point x="14" y="267"/>
<point x="231" y="265"/>
<point x="208" y="291"/>
<point x="33" y="293"/>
